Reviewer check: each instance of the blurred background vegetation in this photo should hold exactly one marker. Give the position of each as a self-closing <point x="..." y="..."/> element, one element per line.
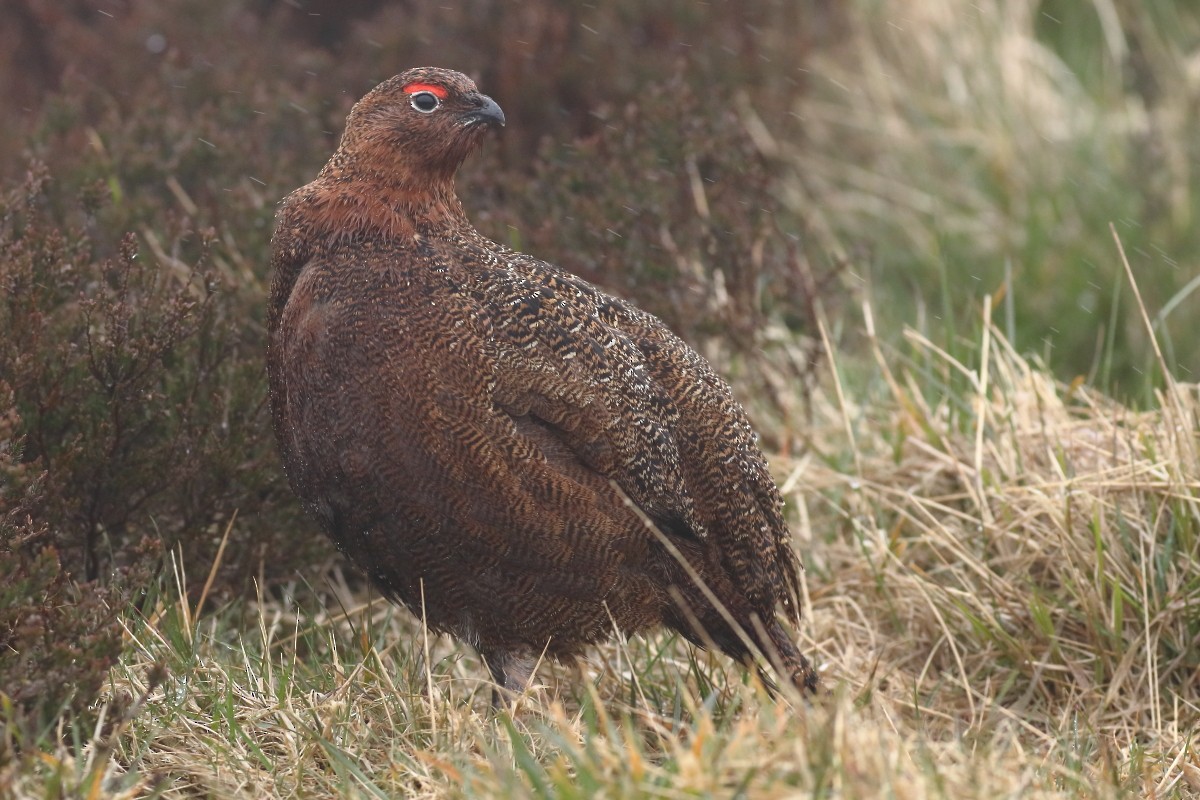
<point x="738" y="168"/>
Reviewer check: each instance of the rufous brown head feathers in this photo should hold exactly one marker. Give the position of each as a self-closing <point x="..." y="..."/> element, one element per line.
<point x="419" y="126"/>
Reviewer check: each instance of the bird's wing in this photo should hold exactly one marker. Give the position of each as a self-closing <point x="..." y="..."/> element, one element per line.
<point x="634" y="403"/>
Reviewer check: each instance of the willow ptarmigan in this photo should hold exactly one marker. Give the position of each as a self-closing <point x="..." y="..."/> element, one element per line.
<point x="525" y="461"/>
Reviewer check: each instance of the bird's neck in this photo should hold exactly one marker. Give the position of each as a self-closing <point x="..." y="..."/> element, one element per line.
<point x="390" y="202"/>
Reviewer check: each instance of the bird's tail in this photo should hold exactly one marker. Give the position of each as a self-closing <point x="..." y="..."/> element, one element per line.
<point x="744" y="636"/>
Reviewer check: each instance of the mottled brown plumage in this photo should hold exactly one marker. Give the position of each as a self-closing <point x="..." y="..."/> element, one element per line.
<point x="488" y="436"/>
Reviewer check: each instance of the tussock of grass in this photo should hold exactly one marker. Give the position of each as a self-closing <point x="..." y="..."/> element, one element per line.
<point x="1014" y="555"/>
<point x="1003" y="589"/>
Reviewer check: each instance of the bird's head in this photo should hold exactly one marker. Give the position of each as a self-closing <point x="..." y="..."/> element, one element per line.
<point x="417" y="128"/>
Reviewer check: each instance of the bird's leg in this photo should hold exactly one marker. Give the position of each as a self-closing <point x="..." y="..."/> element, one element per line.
<point x="512" y="671"/>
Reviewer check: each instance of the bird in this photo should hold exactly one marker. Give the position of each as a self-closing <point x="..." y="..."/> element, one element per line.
<point x="526" y="462"/>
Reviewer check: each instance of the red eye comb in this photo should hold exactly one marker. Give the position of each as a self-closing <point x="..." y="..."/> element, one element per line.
<point x="432" y="88"/>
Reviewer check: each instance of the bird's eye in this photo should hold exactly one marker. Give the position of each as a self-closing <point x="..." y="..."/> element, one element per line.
<point x="425" y="102"/>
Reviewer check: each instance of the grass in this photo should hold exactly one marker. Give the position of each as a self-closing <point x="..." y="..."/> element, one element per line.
<point x="1002" y="589"/>
<point x="953" y="149"/>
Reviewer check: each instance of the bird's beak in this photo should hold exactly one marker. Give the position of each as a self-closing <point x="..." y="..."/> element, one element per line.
<point x="485" y="113"/>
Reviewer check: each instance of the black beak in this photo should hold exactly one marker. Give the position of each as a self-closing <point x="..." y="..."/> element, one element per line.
<point x="487" y="112"/>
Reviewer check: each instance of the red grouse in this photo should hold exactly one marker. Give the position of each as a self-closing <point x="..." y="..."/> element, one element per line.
<point x="524" y="460"/>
